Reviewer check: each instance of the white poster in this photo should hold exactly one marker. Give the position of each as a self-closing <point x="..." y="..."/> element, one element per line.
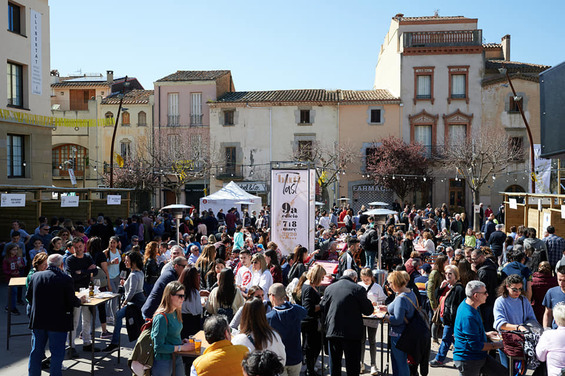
<point x="291" y="209"/>
<point x="13" y="200"/>
<point x="543" y="171"/>
<point x="513" y="203"/>
<point x="546" y="219"/>
<point x="114" y="200"/>
<point x="72" y="176"/>
<point x="36" y="63"/>
<point x="69" y="201"/>
<point x="562" y="211"/>
<point x="477" y="208"/>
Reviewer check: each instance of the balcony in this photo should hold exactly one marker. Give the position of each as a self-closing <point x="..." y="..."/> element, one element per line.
<point x="173" y="120"/>
<point x="196" y="120"/>
<point x="229" y="172"/>
<point x="454" y="38"/>
<point x="434" y="152"/>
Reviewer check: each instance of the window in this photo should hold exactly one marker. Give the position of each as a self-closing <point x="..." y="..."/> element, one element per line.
<point x="516" y="145"/>
<point x="457" y="134"/>
<point x="305" y="150"/>
<point x="125" y="119"/>
<point x="376" y="116"/>
<point x="69" y="156"/>
<point x="229" y="117"/>
<point x="109" y="115"/>
<point x="173" y="110"/>
<point x="15" y="85"/>
<point x="79" y="99"/>
<point x="424" y="84"/>
<point x="196" y="109"/>
<point x="423" y="135"/>
<point x="304" y="116"/>
<point x="15" y="153"/>
<point x="514" y="104"/>
<point x="14" y="18"/>
<point x="370" y="156"/>
<point x="141" y="119"/>
<point x="125" y="149"/>
<point x="458" y="81"/>
<point x="230" y="159"/>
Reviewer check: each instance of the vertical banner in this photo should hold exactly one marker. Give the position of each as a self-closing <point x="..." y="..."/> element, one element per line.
<point x="312" y="209"/>
<point x="291" y="220"/>
<point x="36" y="63"/>
<point x="543" y="171"/>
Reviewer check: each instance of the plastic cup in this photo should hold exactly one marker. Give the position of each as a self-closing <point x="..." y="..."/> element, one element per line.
<point x="197" y="345"/>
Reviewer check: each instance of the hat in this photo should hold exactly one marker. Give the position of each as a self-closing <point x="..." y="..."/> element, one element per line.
<point x="426" y="267"/>
<point x="172" y="242"/>
<point x="185" y="235"/>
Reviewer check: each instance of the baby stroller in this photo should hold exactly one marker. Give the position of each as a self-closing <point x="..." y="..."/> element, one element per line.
<point x="520" y="348"/>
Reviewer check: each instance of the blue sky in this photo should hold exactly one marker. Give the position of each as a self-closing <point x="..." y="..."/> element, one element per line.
<point x="272" y="45"/>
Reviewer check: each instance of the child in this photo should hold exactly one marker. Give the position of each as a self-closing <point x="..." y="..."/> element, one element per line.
<point x="13" y="267"/>
<point x="37" y="248"/>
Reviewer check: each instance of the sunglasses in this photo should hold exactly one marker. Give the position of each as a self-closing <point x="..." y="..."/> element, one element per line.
<point x="515" y="289"/>
<point x="179" y="295"/>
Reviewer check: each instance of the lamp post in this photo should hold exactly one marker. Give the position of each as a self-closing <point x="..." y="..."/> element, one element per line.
<point x="518" y="102"/>
<point x="126" y="84"/>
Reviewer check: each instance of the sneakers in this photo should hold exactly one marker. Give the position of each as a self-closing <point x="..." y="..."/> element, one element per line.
<point x="111" y="347"/>
<point x="374" y="370"/>
<point x="46" y="364"/>
<point x="436" y="363"/>
<point x="106" y="335"/>
<point x="88" y="348"/>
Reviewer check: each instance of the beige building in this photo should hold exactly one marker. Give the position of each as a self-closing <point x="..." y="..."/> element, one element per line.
<point x="25" y="128"/>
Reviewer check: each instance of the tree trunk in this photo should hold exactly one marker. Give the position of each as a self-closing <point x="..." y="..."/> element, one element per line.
<point x="476" y="219"/>
<point x="325" y="197"/>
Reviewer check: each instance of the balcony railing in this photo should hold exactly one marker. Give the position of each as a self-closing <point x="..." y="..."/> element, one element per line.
<point x="443" y="38"/>
<point x="434" y="151"/>
<point x="229" y="172"/>
<point x="196" y="119"/>
<point x="173" y="120"/>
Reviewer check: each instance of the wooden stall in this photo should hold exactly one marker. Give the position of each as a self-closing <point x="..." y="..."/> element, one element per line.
<point x="535" y="210"/>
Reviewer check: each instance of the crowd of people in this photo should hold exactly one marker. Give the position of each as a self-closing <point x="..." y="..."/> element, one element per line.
<point x="257" y="305"/>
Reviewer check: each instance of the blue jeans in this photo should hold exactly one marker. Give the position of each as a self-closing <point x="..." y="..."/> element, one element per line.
<point x="446" y="341"/>
<point x="165" y="367"/>
<point x="370" y="257"/>
<point x="118" y="325"/>
<point x="399" y="359"/>
<point x="39" y="339"/>
<point x="503" y="358"/>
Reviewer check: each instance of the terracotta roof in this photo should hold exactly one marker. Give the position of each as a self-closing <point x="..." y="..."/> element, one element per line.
<point x="514" y="67"/>
<point x="80" y="83"/>
<point x="194" y="75"/>
<point x="434" y="18"/>
<point x="307" y="95"/>
<point x="132" y="97"/>
<point x="492" y="45"/>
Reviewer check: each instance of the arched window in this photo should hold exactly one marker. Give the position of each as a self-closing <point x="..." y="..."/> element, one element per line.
<point x="125" y="119"/>
<point x="109" y="115"/>
<point x="65" y="157"/>
<point x="125" y="149"/>
<point x="141" y="119"/>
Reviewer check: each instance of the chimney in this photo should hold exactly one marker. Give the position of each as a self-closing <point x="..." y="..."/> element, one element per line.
<point x="506" y="47"/>
<point x="110" y="76"/>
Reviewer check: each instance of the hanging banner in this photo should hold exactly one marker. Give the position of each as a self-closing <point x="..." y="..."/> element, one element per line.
<point x="69" y="201"/>
<point x="114" y="200"/>
<point x="13" y="200"/>
<point x="72" y="176"/>
<point x="36" y="55"/>
<point x="543" y="171"/>
<point x="292" y="209"/>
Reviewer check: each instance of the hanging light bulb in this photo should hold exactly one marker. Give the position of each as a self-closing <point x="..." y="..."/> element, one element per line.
<point x="393" y="177"/>
<point x="493" y="177"/>
<point x="425" y="178"/>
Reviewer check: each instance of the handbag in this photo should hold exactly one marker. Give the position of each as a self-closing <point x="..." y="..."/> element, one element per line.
<point x="100" y="276"/>
<point x="416" y="334"/>
<point x="436" y="318"/>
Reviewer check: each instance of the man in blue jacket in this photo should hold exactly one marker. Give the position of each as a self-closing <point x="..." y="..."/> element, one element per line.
<point x="471" y="346"/>
<point x="52" y="299"/>
<point x="286" y="319"/>
<point x="167" y="275"/>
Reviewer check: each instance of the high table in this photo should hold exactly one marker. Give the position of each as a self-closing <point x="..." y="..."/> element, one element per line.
<point x="92" y="304"/>
<point x="192" y="354"/>
<point x="379" y="315"/>
<point x="14" y="282"/>
<point x="329" y="267"/>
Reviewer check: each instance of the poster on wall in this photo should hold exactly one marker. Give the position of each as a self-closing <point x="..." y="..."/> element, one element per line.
<point x="546" y="219"/>
<point x="512" y="203"/>
<point x="292" y="208"/>
<point x="114" y="200"/>
<point x="13" y="200"/>
<point x="69" y="201"/>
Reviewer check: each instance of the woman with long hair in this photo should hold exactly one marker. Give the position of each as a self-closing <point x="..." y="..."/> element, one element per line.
<point x="466" y="272"/>
<point x="150" y="266"/>
<point x="273" y="264"/>
<point x="297" y="292"/>
<point x="226" y="298"/>
<point x="192" y="306"/>
<point x="213" y="274"/>
<point x="260" y="274"/>
<point x="256" y="333"/>
<point x="311" y="299"/>
<point x="542" y="280"/>
<point x="434" y="281"/>
<point x="166" y="332"/>
<point x="298" y="268"/>
<point x="133" y="293"/>
<point x="113" y="258"/>
<point x="94" y="247"/>
<point x="252" y="292"/>
<point x="376" y="295"/>
<point x="205" y="261"/>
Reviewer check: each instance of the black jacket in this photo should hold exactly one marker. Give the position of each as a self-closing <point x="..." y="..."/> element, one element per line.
<point x="488" y="274"/>
<point x="407" y="247"/>
<point x="52" y="298"/>
<point x="455" y="297"/>
<point x="370" y="240"/>
<point x="496" y="241"/>
<point x="343" y="305"/>
<point x="342" y="265"/>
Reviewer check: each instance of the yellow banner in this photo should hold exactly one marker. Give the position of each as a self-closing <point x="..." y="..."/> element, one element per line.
<point x="51" y="121"/>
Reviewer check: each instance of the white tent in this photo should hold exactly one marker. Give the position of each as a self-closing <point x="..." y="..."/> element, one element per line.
<point x="230" y="196"/>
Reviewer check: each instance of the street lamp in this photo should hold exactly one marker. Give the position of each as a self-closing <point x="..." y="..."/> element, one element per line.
<point x="517" y="100"/>
<point x="380" y="215"/>
<point x="124" y="87"/>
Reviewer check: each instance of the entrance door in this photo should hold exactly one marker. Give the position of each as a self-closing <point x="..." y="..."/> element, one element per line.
<point x="456" y="195"/>
<point x="230" y="160"/>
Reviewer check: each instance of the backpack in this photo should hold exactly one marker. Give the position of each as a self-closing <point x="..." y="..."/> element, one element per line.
<point x="417" y="334"/>
<point x="141" y="358"/>
<point x="365" y="238"/>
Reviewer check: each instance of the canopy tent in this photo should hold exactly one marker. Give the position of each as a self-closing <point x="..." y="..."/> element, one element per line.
<point x="230" y="196"/>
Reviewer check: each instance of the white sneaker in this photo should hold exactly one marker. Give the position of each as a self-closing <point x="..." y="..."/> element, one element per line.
<point x="374" y="370"/>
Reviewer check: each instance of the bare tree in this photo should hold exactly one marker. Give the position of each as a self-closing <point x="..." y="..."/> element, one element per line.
<point x="397" y="166"/>
<point x="479" y="158"/>
<point x="330" y="161"/>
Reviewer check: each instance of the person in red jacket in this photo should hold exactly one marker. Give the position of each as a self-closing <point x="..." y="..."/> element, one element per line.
<point x="13" y="266"/>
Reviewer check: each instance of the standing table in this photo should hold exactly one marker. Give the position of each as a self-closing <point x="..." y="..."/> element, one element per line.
<point x="379" y="316"/>
<point x="192" y="354"/>
<point x="14" y="282"/>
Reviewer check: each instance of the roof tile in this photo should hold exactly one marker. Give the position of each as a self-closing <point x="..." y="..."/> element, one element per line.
<point x="307" y="95"/>
<point x="514" y="66"/>
<point x="194" y="75"/>
<point x="131" y="97"/>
